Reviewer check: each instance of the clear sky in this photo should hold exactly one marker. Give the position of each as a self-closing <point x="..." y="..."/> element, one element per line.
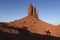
<point x="49" y="10"/>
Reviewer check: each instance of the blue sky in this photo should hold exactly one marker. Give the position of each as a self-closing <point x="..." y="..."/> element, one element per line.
<point x="49" y="10"/>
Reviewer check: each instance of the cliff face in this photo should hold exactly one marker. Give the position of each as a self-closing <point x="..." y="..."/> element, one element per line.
<point x="32" y="11"/>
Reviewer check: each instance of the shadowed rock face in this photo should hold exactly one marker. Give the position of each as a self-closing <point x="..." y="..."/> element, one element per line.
<point x="24" y="34"/>
<point x="29" y="28"/>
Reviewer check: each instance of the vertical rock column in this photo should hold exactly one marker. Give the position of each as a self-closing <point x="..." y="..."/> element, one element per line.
<point x="35" y="13"/>
<point x="30" y="10"/>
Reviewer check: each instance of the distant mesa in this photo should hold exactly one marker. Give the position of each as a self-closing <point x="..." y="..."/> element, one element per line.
<point x="59" y="25"/>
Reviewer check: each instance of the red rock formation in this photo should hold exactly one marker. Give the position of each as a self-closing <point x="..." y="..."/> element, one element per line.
<point x="32" y="11"/>
<point x="34" y="24"/>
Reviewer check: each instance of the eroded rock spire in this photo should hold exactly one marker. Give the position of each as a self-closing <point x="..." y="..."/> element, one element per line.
<point x="32" y="11"/>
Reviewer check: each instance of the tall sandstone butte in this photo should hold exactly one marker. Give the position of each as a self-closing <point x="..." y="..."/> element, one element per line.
<point x="32" y="11"/>
<point x="33" y="25"/>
